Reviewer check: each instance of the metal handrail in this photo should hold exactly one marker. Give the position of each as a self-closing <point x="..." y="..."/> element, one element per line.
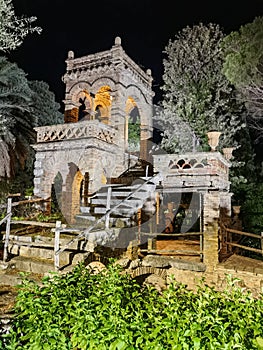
<point x="104" y="217"/>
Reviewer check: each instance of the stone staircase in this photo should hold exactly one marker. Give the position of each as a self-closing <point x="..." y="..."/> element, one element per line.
<point x="122" y="202"/>
<point x="34" y="252"/>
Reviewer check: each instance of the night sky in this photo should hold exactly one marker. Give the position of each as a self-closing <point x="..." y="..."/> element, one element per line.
<point x="145" y="27"/>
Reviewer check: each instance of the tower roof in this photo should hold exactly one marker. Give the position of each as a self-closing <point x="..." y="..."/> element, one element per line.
<point x="115" y="58"/>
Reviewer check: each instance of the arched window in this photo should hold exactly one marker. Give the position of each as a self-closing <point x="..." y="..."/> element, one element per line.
<point x="134" y="130"/>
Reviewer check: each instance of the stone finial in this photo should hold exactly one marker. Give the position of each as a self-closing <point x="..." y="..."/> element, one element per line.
<point x="118" y="41"/>
<point x="213" y="139"/>
<point x="227" y="151"/>
<point x="149" y="72"/>
<point x="70" y="55"/>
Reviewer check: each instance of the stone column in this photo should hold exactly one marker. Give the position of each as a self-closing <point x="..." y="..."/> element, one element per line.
<point x="118" y="118"/>
<point x="71" y="112"/>
<point x="225" y="203"/>
<point x="211" y="205"/>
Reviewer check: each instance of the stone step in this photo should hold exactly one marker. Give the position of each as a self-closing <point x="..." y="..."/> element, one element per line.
<point x="101" y="201"/>
<point x="39" y="266"/>
<point x="119" y="211"/>
<point x="43" y="266"/>
<point x="85" y="210"/>
<point x="40" y="241"/>
<point x="86" y="216"/>
<point x="45" y="253"/>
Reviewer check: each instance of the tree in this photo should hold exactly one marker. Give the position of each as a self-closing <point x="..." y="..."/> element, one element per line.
<point x="23" y="105"/>
<point x="243" y="67"/>
<point x="16" y="131"/>
<point x="13" y="29"/>
<point x="195" y="89"/>
<point x="44" y="106"/>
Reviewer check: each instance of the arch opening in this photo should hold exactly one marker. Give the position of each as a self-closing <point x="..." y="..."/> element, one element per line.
<point x="56" y="194"/>
<point x="133" y="127"/>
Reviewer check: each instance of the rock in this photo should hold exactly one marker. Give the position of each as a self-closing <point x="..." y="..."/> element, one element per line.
<point x="120" y="223"/>
<point x="156" y="281"/>
<point x="187" y="265"/>
<point x="166" y="261"/>
<point x="3" y="265"/>
<point x="77" y="258"/>
<point x="96" y="267"/>
<point x="135" y="263"/>
<point x="123" y="262"/>
<point x="156" y="261"/>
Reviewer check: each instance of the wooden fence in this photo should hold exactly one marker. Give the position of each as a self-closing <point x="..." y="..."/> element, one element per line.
<point x="153" y="239"/>
<point x="7" y="219"/>
<point x="229" y="240"/>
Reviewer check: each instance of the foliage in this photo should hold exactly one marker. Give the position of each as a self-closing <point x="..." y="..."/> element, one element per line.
<point x="110" y="311"/>
<point x="134" y="131"/>
<point x="244" y="53"/>
<point x="23" y="105"/>
<point x="13" y="29"/>
<point x="252" y="208"/>
<point x="195" y="89"/>
<point x="243" y="66"/>
<point x="44" y="106"/>
<point x="243" y="170"/>
<point x="175" y="139"/>
<point x="15" y="130"/>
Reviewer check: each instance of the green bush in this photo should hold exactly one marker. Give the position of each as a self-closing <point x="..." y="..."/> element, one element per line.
<point x="110" y="311"/>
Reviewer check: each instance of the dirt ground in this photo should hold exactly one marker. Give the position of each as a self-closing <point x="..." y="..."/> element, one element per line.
<point x="7" y="299"/>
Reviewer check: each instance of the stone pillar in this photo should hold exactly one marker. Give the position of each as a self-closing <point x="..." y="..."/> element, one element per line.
<point x="211" y="205"/>
<point x="146" y="131"/>
<point x="118" y="118"/>
<point x="145" y="143"/>
<point x="225" y="203"/>
<point x="71" y="113"/>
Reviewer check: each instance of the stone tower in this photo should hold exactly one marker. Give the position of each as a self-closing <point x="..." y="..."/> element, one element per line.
<point x="110" y="87"/>
<point x="108" y="125"/>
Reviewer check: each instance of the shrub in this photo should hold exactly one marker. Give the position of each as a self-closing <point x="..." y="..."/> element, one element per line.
<point x="110" y="311"/>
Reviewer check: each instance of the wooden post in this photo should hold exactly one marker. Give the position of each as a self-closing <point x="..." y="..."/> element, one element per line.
<point x="107" y="218"/>
<point x="139" y="221"/>
<point x="230" y="241"/>
<point x="7" y="231"/>
<point x="157" y="208"/>
<point x="201" y="246"/>
<point x="56" y="245"/>
<point x="262" y="242"/>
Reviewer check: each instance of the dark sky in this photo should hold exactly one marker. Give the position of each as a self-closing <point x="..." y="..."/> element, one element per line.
<point x="145" y="27"/>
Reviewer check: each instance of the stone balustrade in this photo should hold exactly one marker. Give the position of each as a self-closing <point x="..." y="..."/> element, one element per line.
<point x="80" y="130"/>
<point x="202" y="169"/>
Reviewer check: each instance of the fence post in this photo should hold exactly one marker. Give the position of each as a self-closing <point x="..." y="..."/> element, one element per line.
<point x="230" y="241"/>
<point x="56" y="245"/>
<point x="7" y="231"/>
<point x="262" y="242"/>
<point x="107" y="218"/>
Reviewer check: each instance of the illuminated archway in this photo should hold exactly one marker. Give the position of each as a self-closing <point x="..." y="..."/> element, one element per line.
<point x="56" y="193"/>
<point x="132" y="127"/>
<point x="102" y="104"/>
<point x="84" y="101"/>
